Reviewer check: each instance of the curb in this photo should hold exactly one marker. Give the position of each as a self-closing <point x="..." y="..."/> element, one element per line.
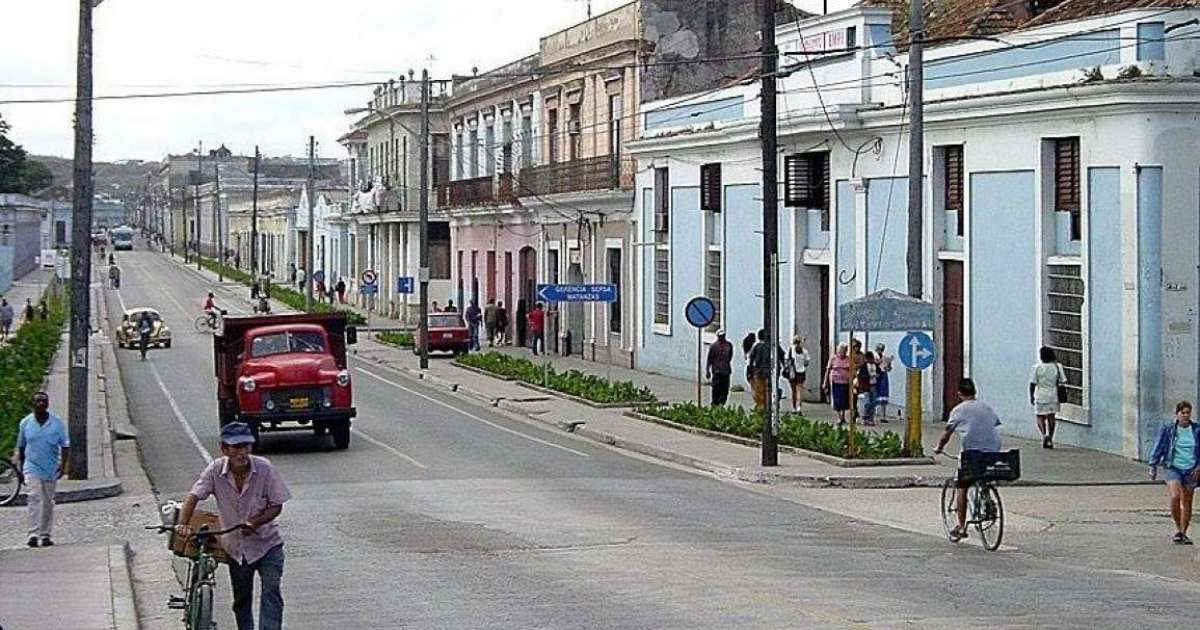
<point x="822" y="457"/>
<point x="120" y="576"/>
<point x="87" y="491"/>
<point x="546" y="390"/>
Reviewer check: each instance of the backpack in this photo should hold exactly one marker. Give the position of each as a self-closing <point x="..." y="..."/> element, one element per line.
<point x="789" y="367"/>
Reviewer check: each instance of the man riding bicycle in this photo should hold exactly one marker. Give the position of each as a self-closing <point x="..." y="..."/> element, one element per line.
<point x="210" y="307"/>
<point x="977" y="423"/>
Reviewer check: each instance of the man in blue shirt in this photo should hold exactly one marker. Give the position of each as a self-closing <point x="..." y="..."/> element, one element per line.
<point x="42" y="450"/>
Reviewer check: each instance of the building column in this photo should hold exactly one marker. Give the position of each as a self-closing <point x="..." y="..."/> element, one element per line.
<point x="861" y="249"/>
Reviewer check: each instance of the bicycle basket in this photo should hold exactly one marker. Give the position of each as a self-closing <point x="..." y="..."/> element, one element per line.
<point x="186" y="547"/>
<point x="982" y="466"/>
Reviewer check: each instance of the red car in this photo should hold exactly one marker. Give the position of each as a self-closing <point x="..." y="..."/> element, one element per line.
<point x="447" y="333"/>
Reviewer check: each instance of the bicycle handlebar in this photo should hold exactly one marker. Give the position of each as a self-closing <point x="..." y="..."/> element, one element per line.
<point x="199" y="534"/>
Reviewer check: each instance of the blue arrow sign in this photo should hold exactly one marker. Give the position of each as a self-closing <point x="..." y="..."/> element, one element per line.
<point x="700" y="311"/>
<point x="917" y="351"/>
<point x="404" y="284"/>
<point x="577" y="292"/>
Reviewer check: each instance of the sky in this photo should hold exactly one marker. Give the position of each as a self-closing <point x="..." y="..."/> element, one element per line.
<point x="168" y="45"/>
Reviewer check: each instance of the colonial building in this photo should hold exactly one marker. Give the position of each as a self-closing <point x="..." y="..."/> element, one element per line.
<point x="1061" y="191"/>
<point x="21" y="219"/>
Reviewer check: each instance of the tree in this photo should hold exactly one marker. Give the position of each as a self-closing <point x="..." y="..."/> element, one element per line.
<point x="18" y="173"/>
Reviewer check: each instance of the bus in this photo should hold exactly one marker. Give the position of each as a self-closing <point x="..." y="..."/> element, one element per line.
<point x="122" y="238"/>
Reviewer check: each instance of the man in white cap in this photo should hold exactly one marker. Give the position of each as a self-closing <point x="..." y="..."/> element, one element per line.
<point x="719" y="367"/>
<point x="251" y="492"/>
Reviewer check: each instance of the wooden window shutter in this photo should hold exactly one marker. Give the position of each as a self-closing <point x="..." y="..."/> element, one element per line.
<point x="710" y="187"/>
<point x="806" y="180"/>
<point x="954" y="183"/>
<point x="1066" y="181"/>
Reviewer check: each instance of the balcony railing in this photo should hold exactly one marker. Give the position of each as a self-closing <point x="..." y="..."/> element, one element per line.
<point x="598" y="173"/>
<point x="479" y="191"/>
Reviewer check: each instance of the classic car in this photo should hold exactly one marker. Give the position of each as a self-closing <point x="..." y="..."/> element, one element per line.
<point x="127" y="334"/>
<point x="447" y="333"/>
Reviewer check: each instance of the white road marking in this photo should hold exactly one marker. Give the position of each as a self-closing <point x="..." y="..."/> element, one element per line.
<point x="388" y="448"/>
<point x="473" y="416"/>
<point x="122" y="301"/>
<point x="187" y="428"/>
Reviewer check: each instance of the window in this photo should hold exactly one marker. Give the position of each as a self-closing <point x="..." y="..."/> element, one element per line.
<point x="713" y="229"/>
<point x="614" y="278"/>
<point x="1066" y="182"/>
<point x="662" y="205"/>
<point x="458" y="156"/>
<point x="614" y="125"/>
<point x="710" y="187"/>
<point x="575" y="132"/>
<point x="507" y="143"/>
<point x="1150" y="46"/>
<point x="473" y="154"/>
<point x="439" y="251"/>
<point x="1064" y="332"/>
<point x="60" y="232"/>
<point x="552" y="266"/>
<point x="552" y="134"/>
<point x="662" y="248"/>
<point x="953" y="198"/>
<point x="441" y="159"/>
<point x="489" y="151"/>
<point x="527" y="141"/>
<point x="806" y="183"/>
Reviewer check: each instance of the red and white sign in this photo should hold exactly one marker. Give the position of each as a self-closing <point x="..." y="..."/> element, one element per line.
<point x="827" y="41"/>
<point x="369" y="277"/>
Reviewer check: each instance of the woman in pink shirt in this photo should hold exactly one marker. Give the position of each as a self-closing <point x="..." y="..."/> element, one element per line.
<point x="837" y="381"/>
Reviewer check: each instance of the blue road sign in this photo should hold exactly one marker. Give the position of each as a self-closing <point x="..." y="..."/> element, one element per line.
<point x="368" y="289"/>
<point x="404" y="284"/>
<point x="917" y="351"/>
<point x="577" y="292"/>
<point x="700" y="311"/>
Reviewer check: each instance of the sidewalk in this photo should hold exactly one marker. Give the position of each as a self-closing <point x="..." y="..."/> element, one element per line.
<point x="30" y="287"/>
<point x="1062" y="466"/>
<point x="78" y="586"/>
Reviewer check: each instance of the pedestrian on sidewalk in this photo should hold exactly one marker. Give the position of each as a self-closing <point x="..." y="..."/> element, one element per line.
<point x="837" y="381"/>
<point x="864" y="387"/>
<point x="474" y="318"/>
<point x="250" y="491"/>
<point x="340" y="287"/>
<point x="291" y="273"/>
<point x="43" y="310"/>
<point x="43" y="449"/>
<point x="29" y="312"/>
<point x="883" y="387"/>
<point x="1177" y="450"/>
<point x="719" y="367"/>
<point x="300" y="279"/>
<point x="537" y="329"/>
<point x="490" y="322"/>
<point x="795" y="370"/>
<point x="6" y="318"/>
<point x="1046" y="393"/>
<point x="759" y="370"/>
<point x="501" y="324"/>
<point x="521" y="322"/>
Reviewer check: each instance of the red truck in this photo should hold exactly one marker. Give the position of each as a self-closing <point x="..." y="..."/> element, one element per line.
<point x="279" y="372"/>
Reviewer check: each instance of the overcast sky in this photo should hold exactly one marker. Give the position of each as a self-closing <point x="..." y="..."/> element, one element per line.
<point x="169" y="45"/>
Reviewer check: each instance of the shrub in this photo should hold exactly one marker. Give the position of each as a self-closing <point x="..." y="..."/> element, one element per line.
<point x="402" y="339"/>
<point x="294" y="299"/>
<point x="23" y="364"/>
<point x="795" y="430"/>
<point x="591" y="387"/>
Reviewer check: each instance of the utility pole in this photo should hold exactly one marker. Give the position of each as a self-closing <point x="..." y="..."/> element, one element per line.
<point x="770" y="201"/>
<point x="308" y="262"/>
<point x="218" y="235"/>
<point x="423" y="272"/>
<point x="254" y="220"/>
<point x="199" y="180"/>
<point x="81" y="255"/>
<point x="916" y="209"/>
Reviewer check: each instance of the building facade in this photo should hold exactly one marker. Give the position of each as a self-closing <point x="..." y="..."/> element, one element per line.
<point x="1062" y="167"/>
<point x="21" y="220"/>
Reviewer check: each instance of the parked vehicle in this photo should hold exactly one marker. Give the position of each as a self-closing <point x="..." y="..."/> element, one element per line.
<point x="447" y="333"/>
<point x="279" y="372"/>
<point x="127" y="333"/>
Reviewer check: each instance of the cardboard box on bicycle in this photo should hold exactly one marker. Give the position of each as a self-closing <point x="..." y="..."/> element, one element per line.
<point x="186" y="547"/>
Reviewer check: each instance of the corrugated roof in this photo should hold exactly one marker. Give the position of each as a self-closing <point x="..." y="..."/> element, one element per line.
<point x="1080" y="9"/>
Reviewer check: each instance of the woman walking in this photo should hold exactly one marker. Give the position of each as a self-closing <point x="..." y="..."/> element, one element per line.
<point x="837" y="381"/>
<point x="1177" y="450"/>
<point x="864" y="385"/>
<point x="883" y="361"/>
<point x="795" y="369"/>
<point x="1045" y="380"/>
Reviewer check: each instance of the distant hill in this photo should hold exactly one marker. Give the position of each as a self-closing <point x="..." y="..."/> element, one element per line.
<point x="121" y="180"/>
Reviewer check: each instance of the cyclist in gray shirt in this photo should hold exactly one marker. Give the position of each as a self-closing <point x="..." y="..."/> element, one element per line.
<point x="977" y="423"/>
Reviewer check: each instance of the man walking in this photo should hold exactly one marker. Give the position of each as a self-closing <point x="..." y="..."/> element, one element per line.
<point x="340" y="287"/>
<point x="251" y="492"/>
<point x="537" y="329"/>
<point x="501" y="324"/>
<point x="6" y="318"/>
<point x="719" y="367"/>
<point x="29" y="312"/>
<point x="474" y="317"/>
<point x="43" y="447"/>
<point x="490" y="320"/>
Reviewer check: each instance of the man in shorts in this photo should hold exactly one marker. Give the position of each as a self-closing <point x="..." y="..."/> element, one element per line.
<point x="977" y="424"/>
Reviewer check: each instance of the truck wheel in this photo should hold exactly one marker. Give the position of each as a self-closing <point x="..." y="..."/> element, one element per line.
<point x="341" y="435"/>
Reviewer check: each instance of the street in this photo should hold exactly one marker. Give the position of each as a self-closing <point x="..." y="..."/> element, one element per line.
<point x="446" y="514"/>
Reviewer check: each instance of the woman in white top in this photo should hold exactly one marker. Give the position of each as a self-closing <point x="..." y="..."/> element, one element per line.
<point x="1044" y="380"/>
<point x="795" y="369"/>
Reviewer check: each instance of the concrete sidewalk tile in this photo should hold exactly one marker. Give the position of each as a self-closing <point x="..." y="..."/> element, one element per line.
<point x="77" y="579"/>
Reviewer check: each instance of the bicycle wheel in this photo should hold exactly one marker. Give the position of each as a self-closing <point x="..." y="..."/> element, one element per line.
<point x="949" y="510"/>
<point x="200" y="615"/>
<point x="10" y="482"/>
<point x="202" y="324"/>
<point x="991" y="522"/>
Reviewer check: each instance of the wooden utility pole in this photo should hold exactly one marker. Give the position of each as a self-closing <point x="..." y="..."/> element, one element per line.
<point x="916" y="210"/>
<point x="423" y="272"/>
<point x="308" y="262"/>
<point x="83" y="188"/>
<point x="770" y="202"/>
<point x="254" y="220"/>
<point x="199" y="179"/>
<point x="218" y="233"/>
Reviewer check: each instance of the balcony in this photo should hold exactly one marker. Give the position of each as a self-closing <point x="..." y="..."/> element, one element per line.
<point x="598" y="173"/>
<point x="477" y="192"/>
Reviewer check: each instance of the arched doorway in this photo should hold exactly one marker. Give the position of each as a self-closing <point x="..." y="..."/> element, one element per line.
<point x="527" y="289"/>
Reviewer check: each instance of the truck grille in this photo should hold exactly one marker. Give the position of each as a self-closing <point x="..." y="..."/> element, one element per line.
<point x="296" y="398"/>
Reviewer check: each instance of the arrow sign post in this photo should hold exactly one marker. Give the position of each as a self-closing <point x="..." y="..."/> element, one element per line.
<point x="577" y="292"/>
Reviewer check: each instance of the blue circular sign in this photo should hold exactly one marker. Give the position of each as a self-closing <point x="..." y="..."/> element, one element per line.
<point x="917" y="351"/>
<point x="700" y="311"/>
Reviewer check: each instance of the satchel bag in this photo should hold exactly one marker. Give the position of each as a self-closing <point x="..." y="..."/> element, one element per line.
<point x="1061" y="385"/>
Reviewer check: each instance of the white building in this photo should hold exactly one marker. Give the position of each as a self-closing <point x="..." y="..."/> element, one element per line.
<point x="1062" y="181"/>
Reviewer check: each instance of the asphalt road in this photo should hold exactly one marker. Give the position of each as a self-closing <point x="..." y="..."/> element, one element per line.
<point x="445" y="514"/>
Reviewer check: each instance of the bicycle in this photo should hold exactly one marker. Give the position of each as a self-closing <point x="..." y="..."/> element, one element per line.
<point x="209" y="322"/>
<point x="197" y="603"/>
<point x="985" y="510"/>
<point x="11" y="481"/>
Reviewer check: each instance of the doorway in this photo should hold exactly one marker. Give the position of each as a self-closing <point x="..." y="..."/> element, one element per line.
<point x="823" y="356"/>
<point x="952" y="333"/>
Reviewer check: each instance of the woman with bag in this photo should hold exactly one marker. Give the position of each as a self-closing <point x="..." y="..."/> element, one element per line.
<point x="795" y="369"/>
<point x="837" y="381"/>
<point x="1046" y="393"/>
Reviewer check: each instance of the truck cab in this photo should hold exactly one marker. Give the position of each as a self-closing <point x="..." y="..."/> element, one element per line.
<point x="286" y="372"/>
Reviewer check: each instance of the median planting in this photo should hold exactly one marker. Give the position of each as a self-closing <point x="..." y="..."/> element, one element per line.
<point x="293" y="299"/>
<point x="24" y="361"/>
<point x="589" y="387"/>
